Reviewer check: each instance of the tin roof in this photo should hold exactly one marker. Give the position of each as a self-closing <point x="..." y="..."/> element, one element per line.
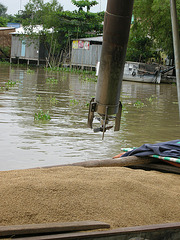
<point x="6" y="28"/>
<point x="14" y="25"/>
<point x="92" y="39"/>
<point x="28" y="30"/>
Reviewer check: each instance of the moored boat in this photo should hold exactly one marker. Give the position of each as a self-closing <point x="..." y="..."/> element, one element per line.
<point x="145" y="73"/>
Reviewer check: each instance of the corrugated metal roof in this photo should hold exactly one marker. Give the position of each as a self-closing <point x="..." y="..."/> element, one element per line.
<point x="37" y="29"/>
<point x="6" y="28"/>
<point x="14" y="25"/>
<point x="92" y="39"/>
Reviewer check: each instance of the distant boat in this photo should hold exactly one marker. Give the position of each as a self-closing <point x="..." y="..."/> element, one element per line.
<point x="147" y="73"/>
<point x="141" y="72"/>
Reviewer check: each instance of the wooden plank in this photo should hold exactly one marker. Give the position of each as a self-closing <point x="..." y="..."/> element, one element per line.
<point x="155" y="232"/>
<point x="51" y="228"/>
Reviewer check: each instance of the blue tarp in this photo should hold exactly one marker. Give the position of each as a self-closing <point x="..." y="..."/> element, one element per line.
<point x="164" y="149"/>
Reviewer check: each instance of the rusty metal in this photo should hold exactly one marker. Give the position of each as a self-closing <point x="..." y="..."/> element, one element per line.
<point x="117" y="23"/>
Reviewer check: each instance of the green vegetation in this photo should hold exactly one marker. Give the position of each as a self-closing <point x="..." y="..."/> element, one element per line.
<point x="140" y="46"/>
<point x="53" y="100"/>
<point x="71" y="70"/>
<point x="76" y="103"/>
<point x="5" y="63"/>
<point x="39" y="98"/>
<point x="66" y="25"/>
<point x="42" y="116"/>
<point x="139" y="104"/>
<point x="87" y="104"/>
<point x="30" y="71"/>
<point x="51" y="80"/>
<point x="151" y="30"/>
<point x="3" y="16"/>
<point x="73" y="102"/>
<point x="3" y="22"/>
<point x="84" y="4"/>
<point x="151" y="99"/>
<point x="84" y="77"/>
<point x="8" y="85"/>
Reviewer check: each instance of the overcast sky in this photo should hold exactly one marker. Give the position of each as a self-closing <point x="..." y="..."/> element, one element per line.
<point x="15" y="5"/>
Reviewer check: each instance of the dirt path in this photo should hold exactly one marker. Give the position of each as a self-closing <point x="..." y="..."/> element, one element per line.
<point x="119" y="196"/>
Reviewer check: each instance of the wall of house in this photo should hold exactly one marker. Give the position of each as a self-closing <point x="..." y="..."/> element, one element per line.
<point x="24" y="48"/>
<point x="5" y="37"/>
<point x="86" y="57"/>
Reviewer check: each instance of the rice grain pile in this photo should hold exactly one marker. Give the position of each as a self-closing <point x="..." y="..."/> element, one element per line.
<point x="119" y="196"/>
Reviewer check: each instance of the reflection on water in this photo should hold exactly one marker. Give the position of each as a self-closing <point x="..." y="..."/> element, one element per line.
<point x="150" y="115"/>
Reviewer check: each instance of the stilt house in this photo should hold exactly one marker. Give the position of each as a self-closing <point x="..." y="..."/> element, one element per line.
<point x="86" y="52"/>
<point x="27" y="47"/>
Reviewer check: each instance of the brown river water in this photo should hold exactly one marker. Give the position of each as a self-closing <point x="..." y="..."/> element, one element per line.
<point x="150" y="115"/>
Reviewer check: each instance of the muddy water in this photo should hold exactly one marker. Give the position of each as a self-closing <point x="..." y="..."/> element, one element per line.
<point x="150" y="115"/>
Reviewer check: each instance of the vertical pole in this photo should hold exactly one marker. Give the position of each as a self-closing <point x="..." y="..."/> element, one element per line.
<point x="117" y="21"/>
<point x="176" y="43"/>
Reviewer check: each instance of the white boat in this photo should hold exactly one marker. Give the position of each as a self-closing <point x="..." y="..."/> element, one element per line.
<point x="142" y="72"/>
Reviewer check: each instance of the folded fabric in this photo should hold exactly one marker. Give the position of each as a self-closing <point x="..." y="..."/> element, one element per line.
<point x="164" y="149"/>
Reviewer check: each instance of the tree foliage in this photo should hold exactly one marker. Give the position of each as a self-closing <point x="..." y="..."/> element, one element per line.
<point x="5" y="18"/>
<point x="152" y="29"/>
<point x="3" y="15"/>
<point x="3" y="22"/>
<point x="155" y="20"/>
<point x="67" y="25"/>
<point x="84" y="3"/>
<point x="3" y="10"/>
<point x="139" y="46"/>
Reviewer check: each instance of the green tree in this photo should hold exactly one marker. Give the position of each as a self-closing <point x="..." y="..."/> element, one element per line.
<point x="66" y="25"/>
<point x="154" y="17"/>
<point x="38" y="13"/>
<point x="3" y="22"/>
<point x="84" y="3"/>
<point x="3" y="19"/>
<point x="75" y="23"/>
<point x="139" y="45"/>
<point x="3" y="10"/>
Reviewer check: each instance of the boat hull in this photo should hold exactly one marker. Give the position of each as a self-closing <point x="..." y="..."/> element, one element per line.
<point x="144" y="73"/>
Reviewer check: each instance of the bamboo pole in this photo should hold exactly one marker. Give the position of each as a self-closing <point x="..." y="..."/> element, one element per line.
<point x="176" y="43"/>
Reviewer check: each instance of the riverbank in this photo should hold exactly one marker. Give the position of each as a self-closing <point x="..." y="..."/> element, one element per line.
<point x="119" y="196"/>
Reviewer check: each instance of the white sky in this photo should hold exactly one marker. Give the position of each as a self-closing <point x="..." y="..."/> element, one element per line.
<point x="15" y="5"/>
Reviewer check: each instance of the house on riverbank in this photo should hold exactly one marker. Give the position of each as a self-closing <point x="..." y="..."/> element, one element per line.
<point x="86" y="52"/>
<point x="28" y="47"/>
